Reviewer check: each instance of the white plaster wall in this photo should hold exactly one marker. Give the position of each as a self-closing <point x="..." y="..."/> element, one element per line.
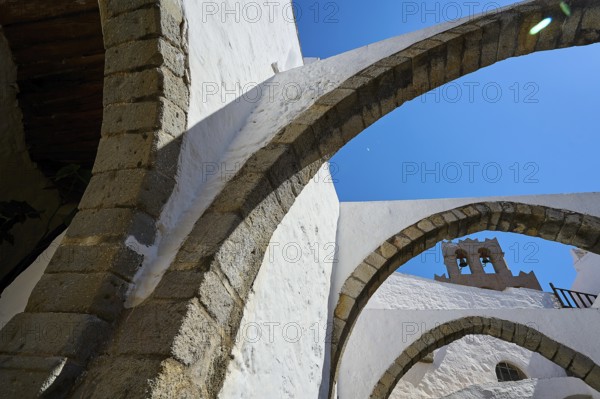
<point x="403" y="291"/>
<point x="588" y="273"/>
<point x="554" y="388"/>
<point x="363" y="226"/>
<point x="405" y="307"/>
<point x="469" y="361"/>
<point x="280" y="348"/>
<point x="14" y="297"/>
<point x="369" y="350"/>
<point x="233" y="43"/>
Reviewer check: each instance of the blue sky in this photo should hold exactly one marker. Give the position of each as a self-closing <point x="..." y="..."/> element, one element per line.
<point x="528" y="125"/>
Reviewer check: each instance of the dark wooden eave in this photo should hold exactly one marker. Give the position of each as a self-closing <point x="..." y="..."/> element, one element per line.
<point x="59" y="52"/>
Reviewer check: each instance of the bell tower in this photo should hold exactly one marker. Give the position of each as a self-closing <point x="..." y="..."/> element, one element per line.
<point x="481" y="264"/>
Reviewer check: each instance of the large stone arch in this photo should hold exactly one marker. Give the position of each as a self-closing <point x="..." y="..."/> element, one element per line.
<point x="210" y="278"/>
<point x="566" y="227"/>
<point x="574" y="362"/>
<point x="73" y="309"/>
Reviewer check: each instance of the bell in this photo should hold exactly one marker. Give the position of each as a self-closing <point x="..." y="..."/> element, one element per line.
<point x="485" y="260"/>
<point x="463" y="262"/>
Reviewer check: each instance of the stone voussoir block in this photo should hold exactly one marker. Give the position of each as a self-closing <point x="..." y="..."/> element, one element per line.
<point x="124" y="151"/>
<point x="116" y="7"/>
<point x="344" y="100"/>
<point x="426" y="226"/>
<point x="114" y="189"/>
<point x="102" y="257"/>
<point x="489" y="40"/>
<point x="552" y="224"/>
<point x="570" y="28"/>
<point x="106" y="224"/>
<point x="356" y="82"/>
<point x="143" y="54"/>
<point x="581" y="365"/>
<point x="27" y="376"/>
<point x="152" y="327"/>
<point x="526" y="42"/>
<point x="352" y="126"/>
<point x="593" y="378"/>
<point x="344" y="306"/>
<point x="588" y="233"/>
<point x="505" y="223"/>
<point x="387" y="250"/>
<point x="100" y="294"/>
<point x="142" y="23"/>
<point x="472" y="35"/>
<point x="532" y="340"/>
<point x="508" y="330"/>
<point x="510" y="24"/>
<point x="144" y="85"/>
<point x="118" y="370"/>
<point x="144" y="117"/>
<point x="209" y="232"/>
<point x="564" y="356"/>
<point x="364" y="272"/>
<point x="353" y="287"/>
<point x="376" y="260"/>
<point x="72" y="335"/>
<point x="495" y="328"/>
<point x="338" y="328"/>
<point x="548" y="347"/>
<point x="569" y="229"/>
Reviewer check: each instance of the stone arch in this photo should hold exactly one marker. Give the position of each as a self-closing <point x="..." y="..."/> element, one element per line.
<point x="563" y="226"/>
<point x="249" y="208"/>
<point x="215" y="267"/>
<point x="576" y="363"/>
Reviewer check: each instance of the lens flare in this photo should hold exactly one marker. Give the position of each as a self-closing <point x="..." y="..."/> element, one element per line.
<point x="565" y="8"/>
<point x="538" y="28"/>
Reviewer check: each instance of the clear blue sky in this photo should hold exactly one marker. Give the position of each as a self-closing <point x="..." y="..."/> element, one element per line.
<point x="528" y="125"/>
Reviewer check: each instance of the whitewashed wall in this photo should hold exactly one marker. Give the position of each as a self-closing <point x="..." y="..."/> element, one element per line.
<point x="588" y="273"/>
<point x="280" y="348"/>
<point x="470" y="361"/>
<point x="405" y="307"/>
<point x="555" y="388"/>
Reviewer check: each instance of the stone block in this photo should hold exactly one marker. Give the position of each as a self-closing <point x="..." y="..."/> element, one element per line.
<point x="569" y="228"/>
<point x="509" y="29"/>
<point x="581" y="365"/>
<point x="552" y="224"/>
<point x="344" y="306"/>
<point x="102" y="257"/>
<point x="71" y="335"/>
<point x="564" y="356"/>
<point x="104" y="224"/>
<point x="100" y="294"/>
<point x="353" y="287"/>
<point x="140" y="54"/>
<point x="220" y="302"/>
<point x="141" y="24"/>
